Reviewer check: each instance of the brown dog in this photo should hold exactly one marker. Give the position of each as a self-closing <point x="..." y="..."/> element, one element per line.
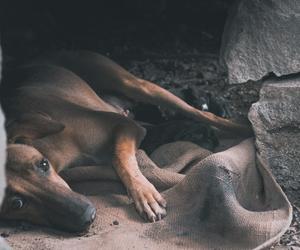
<point x="71" y="110"/>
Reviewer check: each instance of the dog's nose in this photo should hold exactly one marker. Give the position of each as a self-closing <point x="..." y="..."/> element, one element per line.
<point x="89" y="216"/>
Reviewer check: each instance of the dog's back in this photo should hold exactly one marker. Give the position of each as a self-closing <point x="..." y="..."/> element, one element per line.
<point x="38" y="87"/>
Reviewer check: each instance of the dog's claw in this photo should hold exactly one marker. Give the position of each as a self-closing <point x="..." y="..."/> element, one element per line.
<point x="148" y="201"/>
<point x="161" y="201"/>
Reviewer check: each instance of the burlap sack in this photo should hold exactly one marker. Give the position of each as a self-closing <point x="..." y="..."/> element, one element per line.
<point x="227" y="200"/>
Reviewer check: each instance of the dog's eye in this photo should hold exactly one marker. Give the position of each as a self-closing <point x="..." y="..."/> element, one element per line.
<point x="17" y="203"/>
<point x="44" y="165"/>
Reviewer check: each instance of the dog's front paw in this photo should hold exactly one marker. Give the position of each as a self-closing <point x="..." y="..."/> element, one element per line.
<point x="148" y="201"/>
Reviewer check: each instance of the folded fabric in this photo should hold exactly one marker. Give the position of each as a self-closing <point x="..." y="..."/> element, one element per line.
<point x="226" y="200"/>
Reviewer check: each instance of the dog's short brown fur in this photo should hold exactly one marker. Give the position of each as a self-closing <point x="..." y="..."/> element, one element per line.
<point x="61" y="114"/>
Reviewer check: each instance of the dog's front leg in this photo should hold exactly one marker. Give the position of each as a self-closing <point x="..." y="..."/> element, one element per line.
<point x="148" y="201"/>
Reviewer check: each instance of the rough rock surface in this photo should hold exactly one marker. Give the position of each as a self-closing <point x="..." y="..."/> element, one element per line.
<point x="276" y="121"/>
<point x="261" y="37"/>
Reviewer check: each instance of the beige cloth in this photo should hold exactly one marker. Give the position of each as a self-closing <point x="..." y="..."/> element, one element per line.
<point x="227" y="200"/>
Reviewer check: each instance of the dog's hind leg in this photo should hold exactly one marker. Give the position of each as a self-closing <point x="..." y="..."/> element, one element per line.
<point x="103" y="74"/>
<point x="148" y="92"/>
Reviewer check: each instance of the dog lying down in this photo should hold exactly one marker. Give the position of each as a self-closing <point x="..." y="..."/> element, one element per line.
<point x="70" y="109"/>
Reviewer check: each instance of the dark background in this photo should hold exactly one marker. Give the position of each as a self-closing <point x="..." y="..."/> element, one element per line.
<point x="174" y="43"/>
<point x="117" y="27"/>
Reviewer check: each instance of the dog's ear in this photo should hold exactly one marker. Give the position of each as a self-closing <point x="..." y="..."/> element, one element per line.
<point x="32" y="126"/>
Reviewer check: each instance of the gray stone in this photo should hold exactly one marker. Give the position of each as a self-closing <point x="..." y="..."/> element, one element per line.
<point x="276" y="122"/>
<point x="261" y="36"/>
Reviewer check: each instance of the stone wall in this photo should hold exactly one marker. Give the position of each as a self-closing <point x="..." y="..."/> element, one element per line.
<point x="261" y="37"/>
<point x="276" y="122"/>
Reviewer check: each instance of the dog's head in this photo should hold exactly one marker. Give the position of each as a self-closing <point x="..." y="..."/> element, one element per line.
<point x="36" y="193"/>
